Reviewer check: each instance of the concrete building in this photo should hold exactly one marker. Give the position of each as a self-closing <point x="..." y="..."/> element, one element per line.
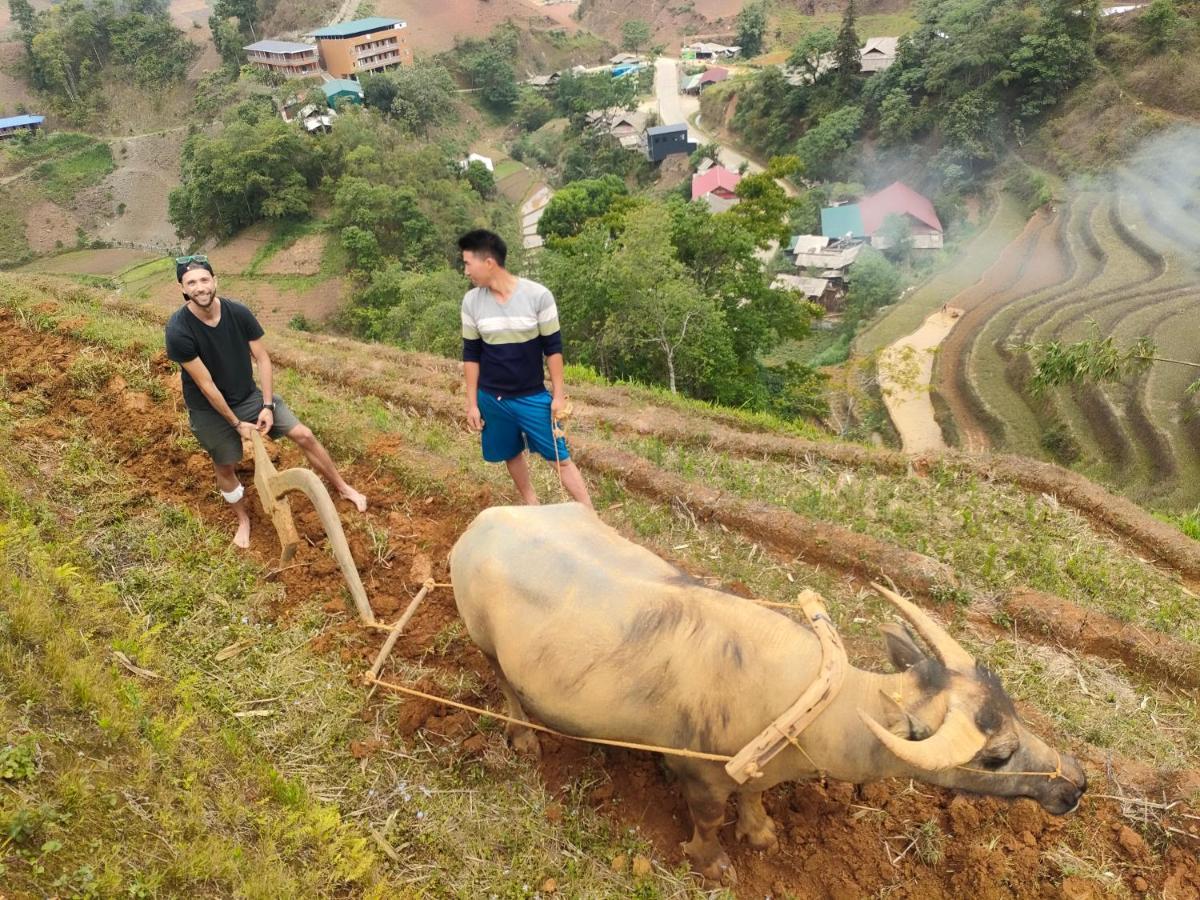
<point x="349" y="49"/>
<point x="15" y="125"/>
<point x="288" y="58"/>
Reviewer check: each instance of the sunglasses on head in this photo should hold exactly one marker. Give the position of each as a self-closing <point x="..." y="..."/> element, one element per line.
<point x="194" y="258"/>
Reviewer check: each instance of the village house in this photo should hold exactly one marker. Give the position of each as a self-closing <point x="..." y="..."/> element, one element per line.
<point x="694" y="84"/>
<point x="877" y="54"/>
<point x="485" y="161"/>
<point x="15" y="125"/>
<point x="286" y="58"/>
<point x="818" y="290"/>
<point x="864" y="220"/>
<point x="317" y="119"/>
<point x="831" y="259"/>
<point x="623" y="124"/>
<point x="624" y="59"/>
<point x="717" y="187"/>
<point x="543" y="82"/>
<point x="666" y="140"/>
<point x="342" y="90"/>
<point x="349" y="49"/>
<point x="705" y="50"/>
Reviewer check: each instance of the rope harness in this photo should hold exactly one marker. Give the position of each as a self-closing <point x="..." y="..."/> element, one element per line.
<point x="1057" y="773"/>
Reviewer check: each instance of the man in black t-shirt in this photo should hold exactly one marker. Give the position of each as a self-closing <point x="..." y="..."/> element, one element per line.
<point x="213" y="340"/>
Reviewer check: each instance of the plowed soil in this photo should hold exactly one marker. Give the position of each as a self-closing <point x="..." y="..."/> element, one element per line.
<point x="837" y="841"/>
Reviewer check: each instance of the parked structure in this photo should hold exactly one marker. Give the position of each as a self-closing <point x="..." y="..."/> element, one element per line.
<point x="365" y="45"/>
<point x="339" y="90"/>
<point x="485" y="161"/>
<point x="865" y="219"/>
<point x="315" y="118"/>
<point x="15" y="125"/>
<point x="665" y="140"/>
<point x="877" y="54"/>
<point x="705" y="50"/>
<point x="288" y="58"/>
<point x="831" y="258"/>
<point x="624" y="59"/>
<point x="542" y="82"/>
<point x="696" y="83"/>
<point x="716" y="186"/>
<point x="819" y="290"/>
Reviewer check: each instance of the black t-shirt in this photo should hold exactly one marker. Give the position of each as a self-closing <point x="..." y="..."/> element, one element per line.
<point x="224" y="349"/>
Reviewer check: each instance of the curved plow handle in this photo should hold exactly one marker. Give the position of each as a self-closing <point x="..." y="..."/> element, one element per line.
<point x="272" y="485"/>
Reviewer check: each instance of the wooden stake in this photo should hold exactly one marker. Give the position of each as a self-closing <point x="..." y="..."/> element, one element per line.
<point x="397" y="629"/>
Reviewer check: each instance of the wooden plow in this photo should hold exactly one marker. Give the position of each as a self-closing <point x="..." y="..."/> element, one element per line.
<point x="272" y="486"/>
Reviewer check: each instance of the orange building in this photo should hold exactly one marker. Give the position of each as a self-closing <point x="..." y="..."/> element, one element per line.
<point x="285" y="57"/>
<point x="365" y="45"/>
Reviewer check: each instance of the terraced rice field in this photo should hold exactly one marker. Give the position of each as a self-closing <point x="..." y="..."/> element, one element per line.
<point x="1118" y="258"/>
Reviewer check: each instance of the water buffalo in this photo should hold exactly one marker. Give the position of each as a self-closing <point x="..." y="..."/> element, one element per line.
<point x="598" y="637"/>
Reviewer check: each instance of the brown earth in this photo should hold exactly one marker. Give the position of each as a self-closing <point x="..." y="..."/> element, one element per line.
<point x="273" y="305"/>
<point x="434" y="27"/>
<point x="49" y="227"/>
<point x="132" y="201"/>
<point x="301" y="258"/>
<point x="837" y="840"/>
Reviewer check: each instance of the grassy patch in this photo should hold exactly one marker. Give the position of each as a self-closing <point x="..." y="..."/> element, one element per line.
<point x="14" y="248"/>
<point x="792" y="24"/>
<point x="285" y="234"/>
<point x="507" y="167"/>
<point x="63" y="177"/>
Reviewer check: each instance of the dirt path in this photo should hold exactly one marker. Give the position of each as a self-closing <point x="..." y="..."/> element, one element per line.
<point x="905" y="372"/>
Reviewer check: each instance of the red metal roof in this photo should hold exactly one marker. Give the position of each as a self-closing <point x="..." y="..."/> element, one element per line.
<point x="716" y="177"/>
<point x="713" y="75"/>
<point x="900" y="199"/>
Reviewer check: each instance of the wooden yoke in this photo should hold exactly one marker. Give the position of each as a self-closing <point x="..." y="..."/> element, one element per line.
<point x="273" y="485"/>
<point x="749" y="761"/>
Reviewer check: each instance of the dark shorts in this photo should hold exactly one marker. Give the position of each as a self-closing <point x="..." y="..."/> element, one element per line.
<point x="221" y="439"/>
<point x="511" y="423"/>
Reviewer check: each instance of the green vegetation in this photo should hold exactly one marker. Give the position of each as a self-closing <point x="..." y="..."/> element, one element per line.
<point x="657" y="292"/>
<point x="419" y="96"/>
<point x="62" y="178"/>
<point x="488" y="66"/>
<point x="73" y="46"/>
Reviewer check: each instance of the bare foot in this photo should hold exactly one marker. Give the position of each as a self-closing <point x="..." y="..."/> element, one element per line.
<point x="242" y="537"/>
<point x="359" y="501"/>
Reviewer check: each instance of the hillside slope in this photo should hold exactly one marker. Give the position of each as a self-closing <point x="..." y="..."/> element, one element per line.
<point x="1040" y="574"/>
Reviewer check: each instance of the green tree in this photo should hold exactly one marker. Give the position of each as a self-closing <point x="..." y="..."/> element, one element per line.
<point x="26" y="19"/>
<point x="874" y="282"/>
<point x="764" y="204"/>
<point x="245" y="173"/>
<point x="846" y="52"/>
<point x="392" y="216"/>
<point x="896" y="236"/>
<point x="635" y="34"/>
<point x="578" y="203"/>
<point x="415" y="310"/>
<point x="750" y="28"/>
<point x="379" y="91"/>
<point x="424" y="96"/>
<point x="821" y="148"/>
<point x="490" y="70"/>
<point x="533" y="109"/>
<point x="710" y="151"/>
<point x="814" y="53"/>
<point x="228" y="40"/>
<point x="1157" y="25"/>
<point x="481" y="179"/>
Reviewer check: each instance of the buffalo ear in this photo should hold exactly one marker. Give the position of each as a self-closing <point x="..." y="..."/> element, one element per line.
<point x="905" y="724"/>
<point x="901" y="646"/>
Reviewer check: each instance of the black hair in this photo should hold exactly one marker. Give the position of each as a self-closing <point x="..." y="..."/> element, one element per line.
<point x="182" y="269"/>
<point x="482" y="242"/>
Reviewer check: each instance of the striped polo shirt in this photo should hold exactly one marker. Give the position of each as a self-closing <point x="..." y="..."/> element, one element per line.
<point x="509" y="339"/>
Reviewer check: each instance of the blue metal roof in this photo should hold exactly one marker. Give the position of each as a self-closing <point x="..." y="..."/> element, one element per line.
<point x="340" y="85"/>
<point x="667" y="129"/>
<point x="280" y="47"/>
<point x="18" y="121"/>
<point x="840" y="221"/>
<point x="358" y="26"/>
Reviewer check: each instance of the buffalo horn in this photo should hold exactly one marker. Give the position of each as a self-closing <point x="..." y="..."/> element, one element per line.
<point x="946" y="648"/>
<point x="953" y="744"/>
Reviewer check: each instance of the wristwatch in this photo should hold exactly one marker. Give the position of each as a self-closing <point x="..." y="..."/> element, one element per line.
<point x="270" y="406"/>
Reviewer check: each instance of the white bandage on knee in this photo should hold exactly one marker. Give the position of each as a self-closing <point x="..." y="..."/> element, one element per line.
<point x="235" y="495"/>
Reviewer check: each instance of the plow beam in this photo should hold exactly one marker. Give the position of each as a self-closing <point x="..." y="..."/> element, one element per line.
<point x="272" y="485"/>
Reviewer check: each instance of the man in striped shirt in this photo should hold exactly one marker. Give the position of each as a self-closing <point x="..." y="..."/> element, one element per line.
<point x="508" y="325"/>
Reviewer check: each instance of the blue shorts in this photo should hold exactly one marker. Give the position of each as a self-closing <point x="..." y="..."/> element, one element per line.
<point x="511" y="423"/>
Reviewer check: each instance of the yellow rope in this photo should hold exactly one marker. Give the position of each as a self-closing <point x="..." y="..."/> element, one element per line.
<point x="1057" y="773"/>
<point x="669" y="751"/>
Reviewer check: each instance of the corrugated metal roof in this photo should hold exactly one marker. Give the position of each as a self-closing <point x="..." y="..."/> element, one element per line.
<point x="18" y="121"/>
<point x="338" y="85"/>
<point x="840" y="221"/>
<point x="281" y="47"/>
<point x="667" y="129"/>
<point x="358" y="26"/>
<point x="716" y="177"/>
<point x="899" y="199"/>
